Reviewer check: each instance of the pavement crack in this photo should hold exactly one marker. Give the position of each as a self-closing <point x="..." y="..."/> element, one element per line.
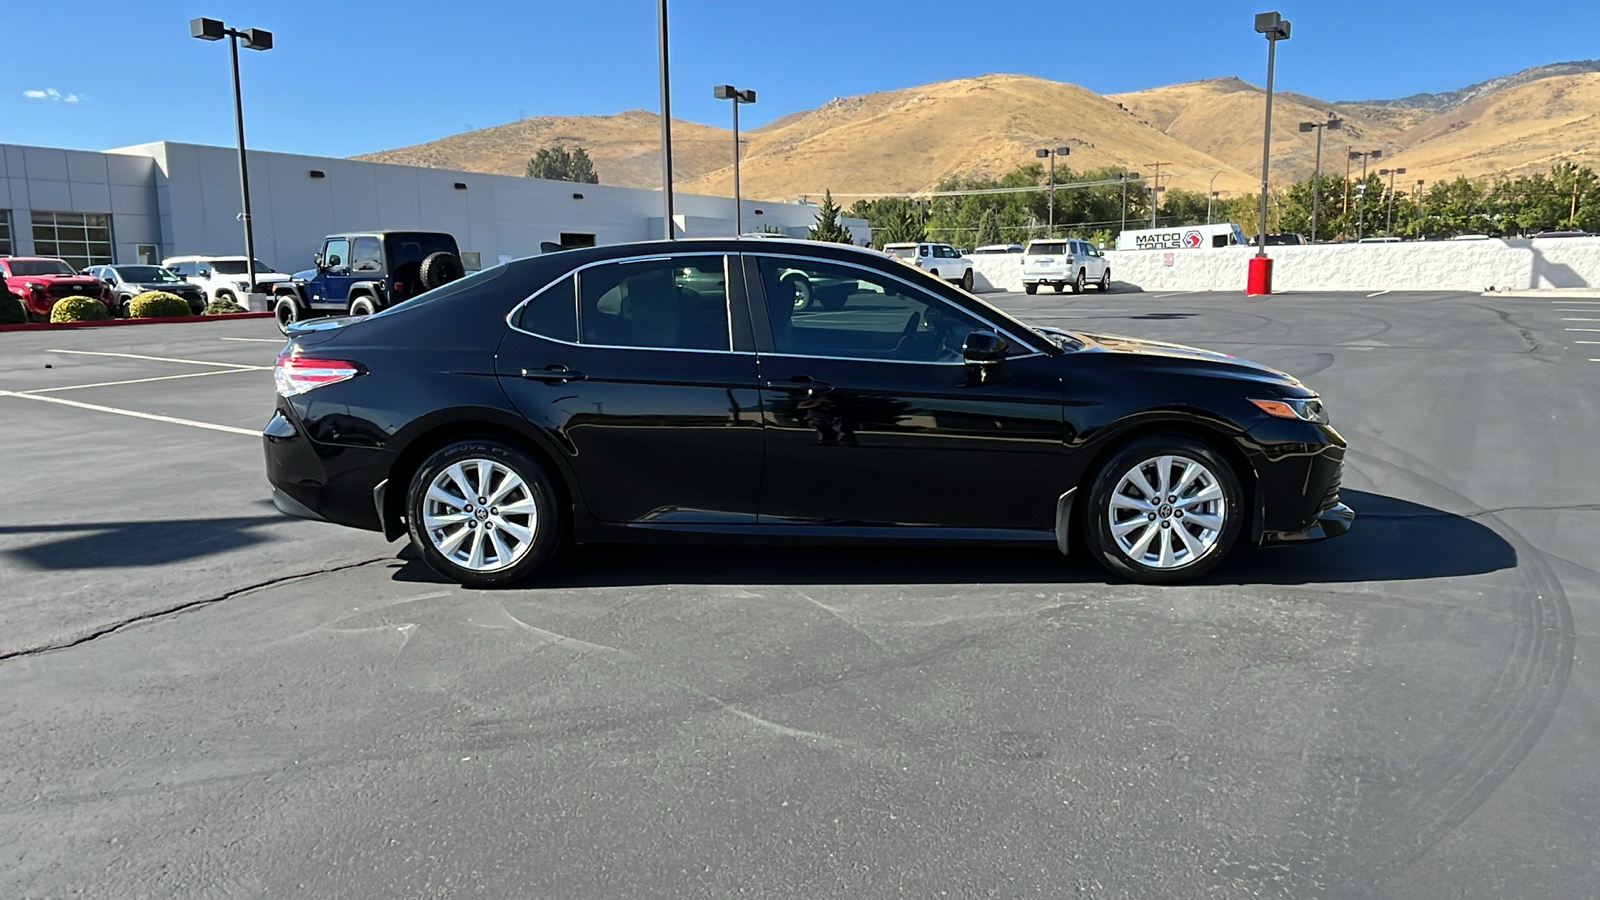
<point x="1527" y="333"/>
<point x="178" y="609"/>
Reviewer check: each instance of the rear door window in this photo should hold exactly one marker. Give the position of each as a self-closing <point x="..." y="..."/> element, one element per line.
<point x="678" y="303"/>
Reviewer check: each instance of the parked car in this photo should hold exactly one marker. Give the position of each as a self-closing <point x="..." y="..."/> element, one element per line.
<point x="224" y="277"/>
<point x="1379" y="240"/>
<point x="1064" y="263"/>
<point x="938" y="259"/>
<point x="359" y="273"/>
<point x="651" y="392"/>
<point x="1562" y="234"/>
<point x="42" y="280"/>
<point x="1283" y="239"/>
<point x="127" y="282"/>
<point x="989" y="249"/>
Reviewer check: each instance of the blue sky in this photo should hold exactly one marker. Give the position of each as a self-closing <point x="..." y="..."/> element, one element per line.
<point x="359" y="75"/>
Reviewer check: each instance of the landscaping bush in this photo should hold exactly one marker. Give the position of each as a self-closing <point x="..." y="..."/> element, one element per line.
<point x="12" y="311"/>
<point x="78" y="309"/>
<point x="157" y="305"/>
<point x="222" y="306"/>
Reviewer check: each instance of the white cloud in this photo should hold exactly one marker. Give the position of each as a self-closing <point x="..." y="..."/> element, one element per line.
<point x="53" y="94"/>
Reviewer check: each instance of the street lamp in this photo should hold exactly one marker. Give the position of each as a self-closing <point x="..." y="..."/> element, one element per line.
<point x="1275" y="28"/>
<point x="254" y="39"/>
<point x="1210" y="200"/>
<point x="1391" y="173"/>
<point x="1052" y="154"/>
<point x="729" y="92"/>
<point x="1155" y="202"/>
<point x="1420" y="183"/>
<point x="666" y="119"/>
<point x="1361" y="195"/>
<point x="1316" y="177"/>
<point x="1126" y="177"/>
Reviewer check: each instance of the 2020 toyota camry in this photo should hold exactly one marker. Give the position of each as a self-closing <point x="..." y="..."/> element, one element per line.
<point x="717" y="390"/>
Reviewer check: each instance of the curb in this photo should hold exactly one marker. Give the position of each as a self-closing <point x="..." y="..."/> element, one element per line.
<point x="111" y="323"/>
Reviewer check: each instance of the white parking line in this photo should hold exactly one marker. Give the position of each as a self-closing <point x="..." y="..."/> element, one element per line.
<point x="260" y="340"/>
<point x="1378" y="294"/>
<point x="75" y="387"/>
<point x="1586" y="342"/>
<point x="1580" y="320"/>
<point x="1176" y="294"/>
<point x="171" y="359"/>
<point x="228" y="429"/>
<point x="1583" y="329"/>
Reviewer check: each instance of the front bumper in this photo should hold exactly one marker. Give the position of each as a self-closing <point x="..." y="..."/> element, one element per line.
<point x="1330" y="523"/>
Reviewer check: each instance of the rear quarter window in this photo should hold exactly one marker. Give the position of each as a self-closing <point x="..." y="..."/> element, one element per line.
<point x="553" y="312"/>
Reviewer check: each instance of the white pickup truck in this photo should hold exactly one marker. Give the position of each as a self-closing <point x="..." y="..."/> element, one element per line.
<point x="939" y="259"/>
<point x="1064" y="263"/>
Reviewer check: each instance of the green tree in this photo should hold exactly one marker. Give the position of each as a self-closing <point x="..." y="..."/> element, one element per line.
<point x="988" y="228"/>
<point x="828" y="227"/>
<point x="559" y="164"/>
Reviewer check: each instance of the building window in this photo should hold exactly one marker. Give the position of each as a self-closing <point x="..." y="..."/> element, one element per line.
<point x="5" y="232"/>
<point x="82" y="239"/>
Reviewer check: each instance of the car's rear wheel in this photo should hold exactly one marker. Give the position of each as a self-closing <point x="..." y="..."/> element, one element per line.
<point x="966" y="281"/>
<point x="483" y="513"/>
<point x="1059" y="288"/>
<point x="1080" y="283"/>
<point x="286" y="311"/>
<point x="801" y="288"/>
<point x="1163" y="509"/>
<point x="1030" y="289"/>
<point x="363" y="306"/>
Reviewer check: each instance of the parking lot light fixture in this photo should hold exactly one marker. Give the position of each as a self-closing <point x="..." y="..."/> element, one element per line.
<point x="729" y="92"/>
<point x="1361" y="193"/>
<point x="254" y="39"/>
<point x="1052" y="153"/>
<point x="1389" y="226"/>
<point x="1335" y="124"/>
<point x="1420" y="183"/>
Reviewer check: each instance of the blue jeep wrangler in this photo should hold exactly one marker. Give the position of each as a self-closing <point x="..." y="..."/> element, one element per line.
<point x="359" y="273"/>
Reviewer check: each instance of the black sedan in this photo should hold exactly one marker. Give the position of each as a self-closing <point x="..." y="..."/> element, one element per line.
<point x="678" y="392"/>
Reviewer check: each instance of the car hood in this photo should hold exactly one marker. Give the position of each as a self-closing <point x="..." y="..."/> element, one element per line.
<point x="167" y="286"/>
<point x="52" y="279"/>
<point x="1111" y="343"/>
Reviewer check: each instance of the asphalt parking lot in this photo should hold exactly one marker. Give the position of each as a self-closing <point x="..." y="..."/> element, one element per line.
<point x="203" y="697"/>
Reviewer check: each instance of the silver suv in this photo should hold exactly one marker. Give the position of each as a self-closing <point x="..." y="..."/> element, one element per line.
<point x="1064" y="263"/>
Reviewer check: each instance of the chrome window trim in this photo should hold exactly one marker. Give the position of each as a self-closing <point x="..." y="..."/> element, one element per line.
<point x="654" y="257"/>
<point x="1008" y="334"/>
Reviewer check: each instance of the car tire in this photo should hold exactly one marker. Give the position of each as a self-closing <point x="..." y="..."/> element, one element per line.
<point x="286" y="311"/>
<point x="1133" y="536"/>
<point x="1081" y="283"/>
<point x="439" y="269"/>
<point x="363" y="306"/>
<point x="801" y="287"/>
<point x="1105" y="282"/>
<point x="1030" y="289"/>
<point x="1059" y="288"/>
<point x="125" y="307"/>
<point x="465" y="542"/>
<point x="966" y="281"/>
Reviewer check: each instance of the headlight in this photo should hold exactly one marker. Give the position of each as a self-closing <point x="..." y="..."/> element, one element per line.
<point x="1306" y="409"/>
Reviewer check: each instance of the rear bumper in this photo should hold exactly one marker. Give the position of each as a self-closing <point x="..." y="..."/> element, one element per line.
<point x="325" y="482"/>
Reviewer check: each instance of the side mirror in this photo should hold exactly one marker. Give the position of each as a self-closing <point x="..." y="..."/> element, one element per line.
<point x="984" y="348"/>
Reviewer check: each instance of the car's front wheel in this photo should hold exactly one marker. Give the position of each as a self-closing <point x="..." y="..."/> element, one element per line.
<point x="1163" y="509"/>
<point x="1105" y="282"/>
<point x="967" y="281"/>
<point x="286" y="311"/>
<point x="483" y="513"/>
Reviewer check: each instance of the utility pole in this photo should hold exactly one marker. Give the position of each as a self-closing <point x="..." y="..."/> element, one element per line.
<point x="1572" y="218"/>
<point x="1155" y="189"/>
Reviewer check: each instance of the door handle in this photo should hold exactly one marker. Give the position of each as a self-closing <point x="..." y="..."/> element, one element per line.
<point x="798" y="383"/>
<point x="554" y="374"/>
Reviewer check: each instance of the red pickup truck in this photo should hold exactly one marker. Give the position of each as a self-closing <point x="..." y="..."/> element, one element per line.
<point x="41" y="280"/>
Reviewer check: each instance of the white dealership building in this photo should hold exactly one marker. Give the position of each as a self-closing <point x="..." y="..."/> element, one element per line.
<point x="151" y="201"/>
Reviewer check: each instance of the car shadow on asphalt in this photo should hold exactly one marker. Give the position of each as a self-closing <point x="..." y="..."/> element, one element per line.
<point x="1392" y="540"/>
<point x="110" y="545"/>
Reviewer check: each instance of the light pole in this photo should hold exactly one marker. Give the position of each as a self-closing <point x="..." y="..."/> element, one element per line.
<point x="254" y="39"/>
<point x="1316" y="176"/>
<point x="729" y="92"/>
<point x="1126" y="177"/>
<point x="1052" y="154"/>
<point x="1389" y="227"/>
<point x="1420" y="183"/>
<point x="666" y="120"/>
<point x="1155" y="202"/>
<point x="1361" y="195"/>
<point x="1275" y="28"/>
<point x="1210" y="200"/>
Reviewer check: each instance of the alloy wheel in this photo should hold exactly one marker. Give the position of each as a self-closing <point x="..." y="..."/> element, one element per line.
<point x="1167" y="512"/>
<point x="480" y="515"/>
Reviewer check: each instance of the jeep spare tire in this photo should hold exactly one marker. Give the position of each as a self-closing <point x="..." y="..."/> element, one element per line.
<point x="440" y="268"/>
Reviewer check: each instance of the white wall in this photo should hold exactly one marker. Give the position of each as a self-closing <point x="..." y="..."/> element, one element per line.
<point x="1517" y="264"/>
<point x="56" y="180"/>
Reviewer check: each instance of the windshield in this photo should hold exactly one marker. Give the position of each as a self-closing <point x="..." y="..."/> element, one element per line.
<point x="40" y="267"/>
<point x="902" y="252"/>
<point x="236" y="267"/>
<point x="146" y="275"/>
<point x="1052" y="248"/>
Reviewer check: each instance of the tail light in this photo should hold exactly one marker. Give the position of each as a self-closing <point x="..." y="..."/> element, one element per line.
<point x="298" y="374"/>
